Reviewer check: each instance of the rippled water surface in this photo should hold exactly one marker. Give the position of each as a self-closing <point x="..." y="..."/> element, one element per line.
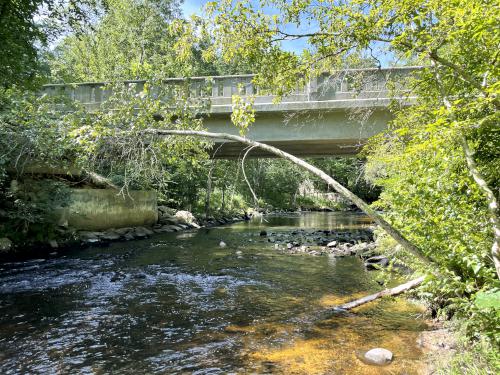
<point x="179" y="304"/>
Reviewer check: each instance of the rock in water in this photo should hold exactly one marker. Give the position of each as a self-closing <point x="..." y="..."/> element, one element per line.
<point x="378" y="356"/>
<point x="222" y="244"/>
<point x="5" y="244"/>
<point x="376" y="262"/>
<point x="263" y="233"/>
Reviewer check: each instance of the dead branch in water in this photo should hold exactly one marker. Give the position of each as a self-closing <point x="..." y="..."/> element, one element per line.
<point x="386" y="292"/>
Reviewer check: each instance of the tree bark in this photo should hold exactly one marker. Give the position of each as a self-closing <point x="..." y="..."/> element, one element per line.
<point x="478" y="179"/>
<point x="491" y="199"/>
<point x="209" y="189"/>
<point x="255" y="199"/>
<point x="393" y="232"/>
<point x="386" y="292"/>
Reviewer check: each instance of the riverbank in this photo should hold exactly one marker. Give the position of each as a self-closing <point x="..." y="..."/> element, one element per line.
<point x="170" y="220"/>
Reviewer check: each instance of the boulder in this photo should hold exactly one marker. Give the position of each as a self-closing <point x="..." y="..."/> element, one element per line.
<point x="90" y="237"/>
<point x="186" y="217"/>
<point x="166" y="219"/>
<point x="378" y="356"/>
<point x="222" y="244"/>
<point x="123" y="231"/>
<point x="331" y="244"/>
<point x="142" y="232"/>
<point x="5" y="244"/>
<point x="263" y="233"/>
<point x="128" y="236"/>
<point x="164" y="210"/>
<point x="376" y="262"/>
<point x="111" y="235"/>
<point x="53" y="244"/>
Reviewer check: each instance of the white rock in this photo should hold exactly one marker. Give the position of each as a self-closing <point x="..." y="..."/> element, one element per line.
<point x="239" y="252"/>
<point x="222" y="244"/>
<point x="186" y="217"/>
<point x="332" y="244"/>
<point x="378" y="356"/>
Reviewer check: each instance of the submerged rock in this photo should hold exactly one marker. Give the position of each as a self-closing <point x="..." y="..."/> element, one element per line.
<point x="5" y="244"/>
<point x="378" y="356"/>
<point x="376" y="262"/>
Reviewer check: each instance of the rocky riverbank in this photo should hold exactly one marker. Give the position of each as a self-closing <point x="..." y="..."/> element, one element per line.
<point x="169" y="220"/>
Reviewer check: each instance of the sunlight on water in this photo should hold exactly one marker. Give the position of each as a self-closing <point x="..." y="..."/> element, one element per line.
<point x="180" y="304"/>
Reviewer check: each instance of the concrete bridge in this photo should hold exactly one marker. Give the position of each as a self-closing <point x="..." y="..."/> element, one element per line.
<point x="331" y="115"/>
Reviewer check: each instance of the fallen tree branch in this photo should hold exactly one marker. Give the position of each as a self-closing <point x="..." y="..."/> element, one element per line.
<point x="361" y="204"/>
<point x="101" y="180"/>
<point x="386" y="292"/>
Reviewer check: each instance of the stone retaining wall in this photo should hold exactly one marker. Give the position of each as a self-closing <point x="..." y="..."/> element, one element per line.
<point x="98" y="209"/>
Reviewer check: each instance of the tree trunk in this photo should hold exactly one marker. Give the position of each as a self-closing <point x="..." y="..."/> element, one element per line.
<point x="255" y="199"/>
<point x="209" y="190"/>
<point x="478" y="179"/>
<point x="223" y="197"/>
<point x="491" y="199"/>
<point x="393" y="232"/>
<point x="386" y="292"/>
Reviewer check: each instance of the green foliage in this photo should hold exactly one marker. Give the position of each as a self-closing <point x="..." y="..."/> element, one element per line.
<point x="477" y="358"/>
<point x="134" y="39"/>
<point x="28" y="210"/>
<point x="29" y="25"/>
<point x="428" y="192"/>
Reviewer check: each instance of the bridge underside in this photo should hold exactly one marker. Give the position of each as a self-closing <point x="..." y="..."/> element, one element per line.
<point x="314" y="134"/>
<point x="309" y="148"/>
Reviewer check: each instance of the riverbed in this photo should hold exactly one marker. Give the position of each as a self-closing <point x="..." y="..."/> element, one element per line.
<point x="178" y="303"/>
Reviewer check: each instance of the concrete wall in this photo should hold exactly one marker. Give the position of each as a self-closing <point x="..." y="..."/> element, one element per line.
<point x="97" y="209"/>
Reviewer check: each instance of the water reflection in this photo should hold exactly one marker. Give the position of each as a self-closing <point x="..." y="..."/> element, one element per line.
<point x="179" y="304"/>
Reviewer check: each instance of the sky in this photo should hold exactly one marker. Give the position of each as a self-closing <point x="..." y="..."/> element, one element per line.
<point x="194" y="7"/>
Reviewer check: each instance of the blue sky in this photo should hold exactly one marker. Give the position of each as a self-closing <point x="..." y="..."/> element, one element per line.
<point x="190" y="7"/>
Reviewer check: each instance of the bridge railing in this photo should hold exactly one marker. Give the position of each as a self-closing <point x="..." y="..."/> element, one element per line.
<point x="343" y="85"/>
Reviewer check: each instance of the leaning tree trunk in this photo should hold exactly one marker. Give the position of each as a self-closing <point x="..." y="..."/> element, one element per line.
<point x="492" y="202"/>
<point x="477" y="177"/>
<point x="393" y="232"/>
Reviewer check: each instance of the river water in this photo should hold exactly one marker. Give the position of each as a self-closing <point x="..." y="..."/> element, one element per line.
<point x="178" y="303"/>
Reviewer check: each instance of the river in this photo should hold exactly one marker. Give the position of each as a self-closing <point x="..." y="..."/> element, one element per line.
<point x="178" y="303"/>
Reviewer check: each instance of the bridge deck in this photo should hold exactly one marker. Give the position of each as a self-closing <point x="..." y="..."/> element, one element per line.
<point x="316" y="119"/>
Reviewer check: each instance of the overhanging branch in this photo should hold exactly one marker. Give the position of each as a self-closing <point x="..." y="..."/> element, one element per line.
<point x="393" y="232"/>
